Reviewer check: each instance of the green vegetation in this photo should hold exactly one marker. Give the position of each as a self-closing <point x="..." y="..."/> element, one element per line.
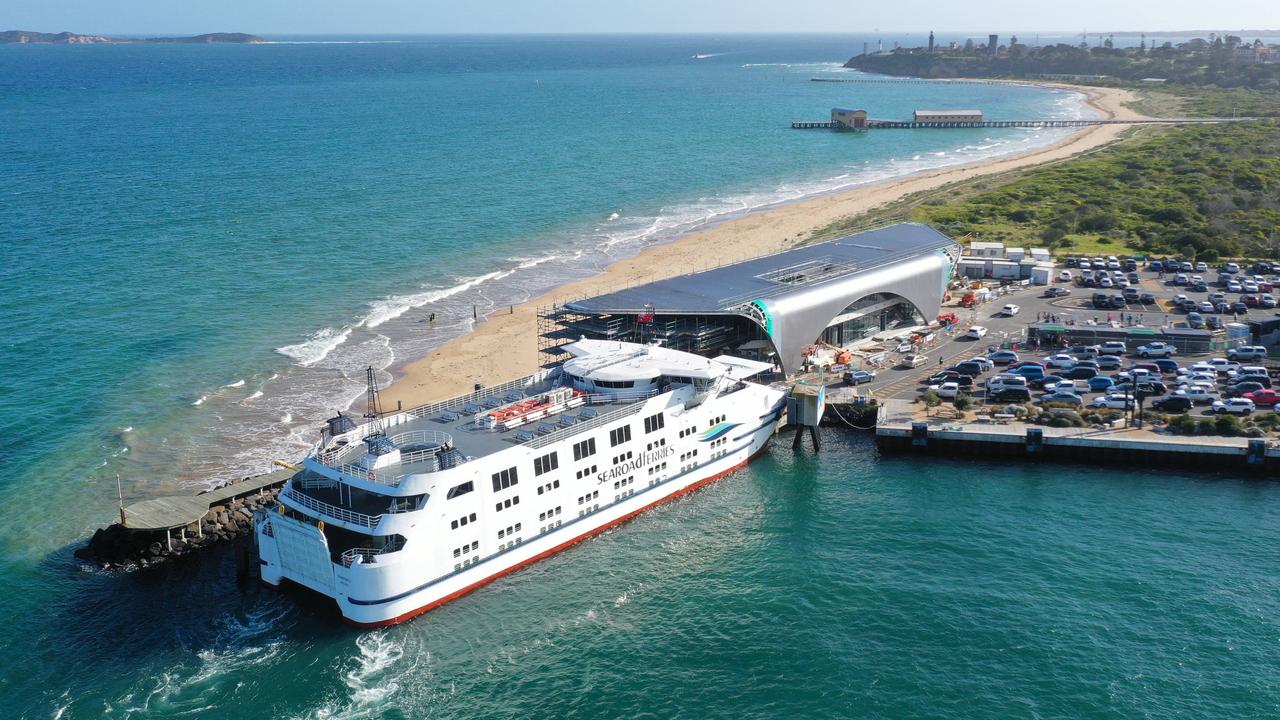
<point x="1190" y="101"/>
<point x="1203" y="191"/>
<point x="1207" y="191"/>
<point x="1223" y="62"/>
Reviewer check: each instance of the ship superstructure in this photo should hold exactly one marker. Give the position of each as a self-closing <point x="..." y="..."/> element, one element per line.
<point x="404" y="512"/>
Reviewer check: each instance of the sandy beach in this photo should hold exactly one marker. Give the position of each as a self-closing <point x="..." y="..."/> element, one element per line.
<point x="504" y="346"/>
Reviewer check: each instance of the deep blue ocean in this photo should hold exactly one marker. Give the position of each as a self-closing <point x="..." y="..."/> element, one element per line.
<point x="201" y="248"/>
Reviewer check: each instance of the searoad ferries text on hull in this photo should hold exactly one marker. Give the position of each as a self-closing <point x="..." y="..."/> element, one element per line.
<point x="403" y="513"/>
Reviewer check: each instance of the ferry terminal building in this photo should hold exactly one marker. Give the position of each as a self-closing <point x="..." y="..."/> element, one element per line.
<point x="771" y="308"/>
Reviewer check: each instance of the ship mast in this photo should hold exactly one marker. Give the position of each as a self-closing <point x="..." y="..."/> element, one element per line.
<point x="377" y="441"/>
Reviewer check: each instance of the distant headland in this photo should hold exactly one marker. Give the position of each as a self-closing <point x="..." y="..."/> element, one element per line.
<point x="27" y="37"/>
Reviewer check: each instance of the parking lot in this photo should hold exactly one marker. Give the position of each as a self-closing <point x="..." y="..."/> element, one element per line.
<point x="1077" y="310"/>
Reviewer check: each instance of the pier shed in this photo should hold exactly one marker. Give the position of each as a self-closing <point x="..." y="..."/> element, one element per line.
<point x="845" y="119"/>
<point x="777" y="307"/>
<point x="947" y="116"/>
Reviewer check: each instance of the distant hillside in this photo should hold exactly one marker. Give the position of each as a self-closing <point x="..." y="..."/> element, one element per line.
<point x="27" y="37"/>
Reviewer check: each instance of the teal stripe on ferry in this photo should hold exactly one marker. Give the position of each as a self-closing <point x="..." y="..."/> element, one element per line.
<point x="717" y="431"/>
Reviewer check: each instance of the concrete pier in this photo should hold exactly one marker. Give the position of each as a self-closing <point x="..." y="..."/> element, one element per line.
<point x="900" y="428"/>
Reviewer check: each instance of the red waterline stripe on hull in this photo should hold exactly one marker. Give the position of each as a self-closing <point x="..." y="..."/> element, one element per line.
<point x="548" y="553"/>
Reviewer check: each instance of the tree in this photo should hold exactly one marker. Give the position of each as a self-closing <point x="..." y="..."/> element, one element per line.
<point x="931" y="400"/>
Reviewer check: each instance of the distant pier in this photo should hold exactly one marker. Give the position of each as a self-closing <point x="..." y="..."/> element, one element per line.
<point x="917" y="125"/>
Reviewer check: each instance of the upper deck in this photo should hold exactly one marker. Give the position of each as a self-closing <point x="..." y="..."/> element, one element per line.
<point x="444" y="435"/>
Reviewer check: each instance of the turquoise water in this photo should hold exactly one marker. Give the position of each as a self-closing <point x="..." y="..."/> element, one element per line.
<point x="203" y="246"/>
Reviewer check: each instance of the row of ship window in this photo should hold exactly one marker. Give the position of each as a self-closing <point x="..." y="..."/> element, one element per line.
<point x="551" y="461"/>
<point x="462" y="521"/>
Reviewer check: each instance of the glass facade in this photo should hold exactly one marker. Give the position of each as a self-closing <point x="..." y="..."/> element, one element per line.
<point x="870" y="316"/>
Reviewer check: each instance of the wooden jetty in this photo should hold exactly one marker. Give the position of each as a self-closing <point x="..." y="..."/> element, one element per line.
<point x="151" y="531"/>
<point x="172" y="512"/>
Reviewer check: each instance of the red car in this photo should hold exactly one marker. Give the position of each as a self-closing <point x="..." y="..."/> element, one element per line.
<point x="1263" y="398"/>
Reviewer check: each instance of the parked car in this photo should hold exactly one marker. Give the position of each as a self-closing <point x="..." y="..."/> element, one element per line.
<point x="1030" y="371"/>
<point x="1131" y="294"/>
<point x="1166" y="365"/>
<point x="1155" y="349"/>
<point x="1205" y="306"/>
<point x="1222" y="365"/>
<point x="1100" y="383"/>
<point x="1003" y="357"/>
<point x="977" y="332"/>
<point x="1239" y="308"/>
<point x="1011" y="394"/>
<point x="1198" y="395"/>
<point x="969" y="367"/>
<point x="1264" y="397"/>
<point x="1047" y="381"/>
<point x="960" y="379"/>
<point x="1085" y="351"/>
<point x="1247" y="352"/>
<point x="1202" y="267"/>
<point x="1064" y="276"/>
<point x="1062" y="398"/>
<point x="1000" y="382"/>
<point x="948" y="390"/>
<point x="1115" y="402"/>
<point x="1241" y="389"/>
<point x="1061" y="361"/>
<point x="1240" y="372"/>
<point x="1230" y="268"/>
<point x="1114" y="347"/>
<point x="1081" y="372"/>
<point x="1009" y="310"/>
<point x="1054" y="292"/>
<point x="1173" y="403"/>
<point x="1235" y="406"/>
<point x="1195" y="320"/>
<point x="859" y="377"/>
<point x="1155" y="266"/>
<point x="1109" y="362"/>
<point x="1213" y="322"/>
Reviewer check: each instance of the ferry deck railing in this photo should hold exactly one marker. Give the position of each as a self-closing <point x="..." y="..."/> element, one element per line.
<point x="332" y="511"/>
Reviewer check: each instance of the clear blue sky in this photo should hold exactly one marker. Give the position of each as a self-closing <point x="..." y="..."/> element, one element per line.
<point x="282" y="17"/>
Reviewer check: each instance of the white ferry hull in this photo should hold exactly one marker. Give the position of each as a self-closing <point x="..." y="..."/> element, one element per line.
<point x="365" y="611"/>
<point x="392" y="534"/>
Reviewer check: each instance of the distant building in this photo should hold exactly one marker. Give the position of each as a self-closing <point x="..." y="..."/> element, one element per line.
<point x="993" y="44"/>
<point x="850" y="119"/>
<point x="986" y="249"/>
<point x="947" y="116"/>
<point x="930" y="41"/>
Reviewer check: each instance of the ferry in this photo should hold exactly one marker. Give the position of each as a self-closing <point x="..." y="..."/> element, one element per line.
<point x="403" y="512"/>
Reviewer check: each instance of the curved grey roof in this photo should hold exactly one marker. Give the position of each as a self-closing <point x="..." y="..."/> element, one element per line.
<point x="795" y="293"/>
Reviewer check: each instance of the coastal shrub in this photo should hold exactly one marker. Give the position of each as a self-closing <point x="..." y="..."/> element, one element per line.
<point x="1181" y="425"/>
<point x="1066" y="418"/>
<point x="963" y="402"/>
<point x="1255" y="432"/>
<point x="1228" y="425"/>
<point x="1268" y="421"/>
<point x="1206" y="427"/>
